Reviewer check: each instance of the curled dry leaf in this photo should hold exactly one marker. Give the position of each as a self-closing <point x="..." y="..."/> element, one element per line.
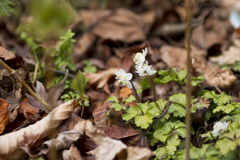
<point x="100" y="78"/>
<point x="219" y="77"/>
<point x="107" y="148"/>
<point x="3" y="115"/>
<point x="64" y="139"/>
<point x="40" y="129"/>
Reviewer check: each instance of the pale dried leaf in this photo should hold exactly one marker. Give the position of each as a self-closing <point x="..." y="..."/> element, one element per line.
<point x="6" y="54"/>
<point x="107" y="148"/>
<point x="40" y="129"/>
<point x="100" y="78"/>
<point x="72" y="154"/>
<point x="137" y="153"/>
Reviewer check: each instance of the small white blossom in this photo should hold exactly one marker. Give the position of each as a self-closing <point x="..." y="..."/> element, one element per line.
<point x="123" y="78"/>
<point x="145" y="70"/>
<point x="218" y="127"/>
<point x="139" y="58"/>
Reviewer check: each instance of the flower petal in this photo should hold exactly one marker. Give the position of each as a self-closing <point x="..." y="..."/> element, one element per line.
<point x="129" y="76"/>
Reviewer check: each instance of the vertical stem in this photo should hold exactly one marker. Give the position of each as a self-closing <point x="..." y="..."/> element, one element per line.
<point x="153" y="88"/>
<point x="188" y="85"/>
<point x="135" y="92"/>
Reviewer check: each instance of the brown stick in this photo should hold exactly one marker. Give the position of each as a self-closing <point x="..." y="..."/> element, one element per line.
<point x="11" y="71"/>
<point x="188" y="84"/>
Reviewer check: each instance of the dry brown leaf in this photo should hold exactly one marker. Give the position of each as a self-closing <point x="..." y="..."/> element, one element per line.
<point x="218" y="77"/>
<point x="3" y="115"/>
<point x="100" y="78"/>
<point x="107" y="148"/>
<point x="176" y="57"/>
<point x="40" y="129"/>
<point x="64" y="139"/>
<point x="137" y="153"/>
<point x="6" y="54"/>
<point x="26" y="107"/>
<point x="120" y="25"/>
<point x="51" y="97"/>
<point x="72" y="154"/>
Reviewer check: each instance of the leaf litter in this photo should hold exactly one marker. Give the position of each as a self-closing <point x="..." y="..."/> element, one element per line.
<point x="108" y="39"/>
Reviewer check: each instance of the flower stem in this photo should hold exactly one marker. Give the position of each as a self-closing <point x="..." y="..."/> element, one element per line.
<point x="153" y="87"/>
<point x="135" y="92"/>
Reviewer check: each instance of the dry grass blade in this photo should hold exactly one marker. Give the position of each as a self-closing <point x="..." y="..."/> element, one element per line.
<point x="40" y="129"/>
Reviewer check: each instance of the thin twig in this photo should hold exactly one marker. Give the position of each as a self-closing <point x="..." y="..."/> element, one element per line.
<point x="11" y="71"/>
<point x="135" y="92"/>
<point x="188" y="85"/>
<point x="160" y="117"/>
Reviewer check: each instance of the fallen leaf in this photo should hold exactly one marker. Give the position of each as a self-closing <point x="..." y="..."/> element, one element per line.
<point x="51" y="97"/>
<point x="39" y="130"/>
<point x="137" y="153"/>
<point x="219" y="77"/>
<point x="3" y="115"/>
<point x="100" y="78"/>
<point x="176" y="57"/>
<point x="64" y="139"/>
<point x="107" y="148"/>
<point x="26" y="107"/>
<point x="72" y="154"/>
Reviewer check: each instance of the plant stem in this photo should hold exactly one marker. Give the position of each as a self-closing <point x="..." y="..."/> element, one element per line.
<point x="160" y="117"/>
<point x="135" y="92"/>
<point x="188" y="85"/>
<point x="36" y="68"/>
<point x="153" y="88"/>
<point x="11" y="71"/>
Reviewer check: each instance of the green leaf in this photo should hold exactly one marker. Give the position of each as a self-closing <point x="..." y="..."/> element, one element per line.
<point x="131" y="98"/>
<point x="225" y="145"/>
<point x="132" y="111"/>
<point x="117" y="106"/>
<point x="112" y="98"/>
<point x="181" y="74"/>
<point x="154" y="110"/>
<point x="197" y="106"/>
<point x="207" y="94"/>
<point x="166" y="77"/>
<point x="181" y="132"/>
<point x="177" y="110"/>
<point x="161" y="152"/>
<point x="160" y="136"/>
<point x="222" y="98"/>
<point x="79" y="83"/>
<point x="161" y="104"/>
<point x="143" y="106"/>
<point x="144" y="85"/>
<point x="195" y="80"/>
<point x="225" y="108"/>
<point x="143" y="120"/>
<point x="179" y="98"/>
<point x="172" y="144"/>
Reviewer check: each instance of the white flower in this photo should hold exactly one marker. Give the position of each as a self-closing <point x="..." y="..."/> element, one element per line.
<point x="123" y="78"/>
<point x="218" y="127"/>
<point x="145" y="70"/>
<point x="139" y="58"/>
